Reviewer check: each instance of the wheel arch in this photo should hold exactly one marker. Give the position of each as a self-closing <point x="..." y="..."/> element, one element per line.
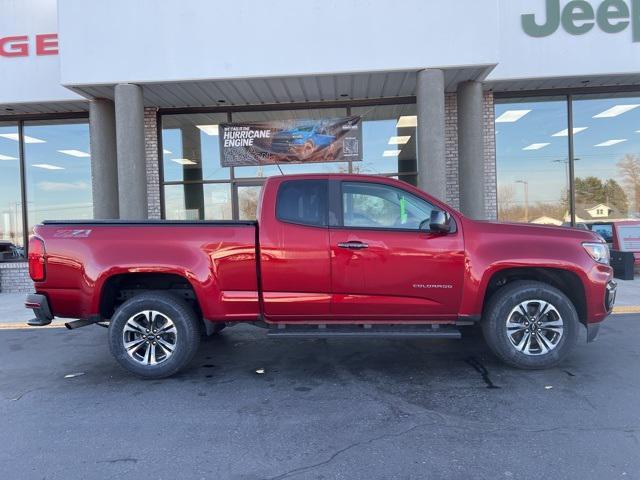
<point x="566" y="281"/>
<point x="120" y="287"/>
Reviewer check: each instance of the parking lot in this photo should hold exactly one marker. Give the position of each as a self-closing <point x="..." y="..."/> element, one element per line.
<point x="322" y="409"/>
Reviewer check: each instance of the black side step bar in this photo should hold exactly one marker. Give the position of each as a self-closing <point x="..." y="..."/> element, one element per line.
<point x="375" y="331"/>
<point x="82" y="323"/>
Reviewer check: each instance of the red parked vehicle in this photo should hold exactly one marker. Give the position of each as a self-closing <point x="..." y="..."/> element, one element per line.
<point x="330" y="256"/>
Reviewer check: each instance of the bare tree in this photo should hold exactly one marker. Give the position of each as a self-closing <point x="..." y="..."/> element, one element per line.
<point x="629" y="170"/>
<point x="506" y="197"/>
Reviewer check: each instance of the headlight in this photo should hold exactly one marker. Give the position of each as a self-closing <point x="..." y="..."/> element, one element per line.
<point x="598" y="251"/>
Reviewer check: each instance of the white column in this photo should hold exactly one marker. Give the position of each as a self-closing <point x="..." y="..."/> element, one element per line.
<point x="132" y="172"/>
<point x="431" y="139"/>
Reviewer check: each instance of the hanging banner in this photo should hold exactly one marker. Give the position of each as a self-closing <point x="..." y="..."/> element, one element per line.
<point x="291" y="141"/>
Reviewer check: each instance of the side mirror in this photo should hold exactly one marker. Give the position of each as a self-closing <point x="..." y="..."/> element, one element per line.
<point x="438" y="223"/>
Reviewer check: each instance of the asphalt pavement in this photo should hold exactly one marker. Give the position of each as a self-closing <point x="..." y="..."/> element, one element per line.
<point x="322" y="409"/>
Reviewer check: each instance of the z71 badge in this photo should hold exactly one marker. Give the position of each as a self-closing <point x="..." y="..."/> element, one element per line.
<point x="75" y="233"/>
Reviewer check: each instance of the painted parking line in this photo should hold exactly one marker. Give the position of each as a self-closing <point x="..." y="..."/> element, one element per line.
<point x="626" y="309"/>
<point x="24" y="326"/>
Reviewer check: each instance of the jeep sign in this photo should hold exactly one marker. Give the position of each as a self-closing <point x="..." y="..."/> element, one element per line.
<point x="579" y="17"/>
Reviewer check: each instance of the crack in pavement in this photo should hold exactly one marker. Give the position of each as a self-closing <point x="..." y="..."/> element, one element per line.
<point x="308" y="468"/>
<point x="482" y="370"/>
<point x="15" y="399"/>
<point x="119" y="460"/>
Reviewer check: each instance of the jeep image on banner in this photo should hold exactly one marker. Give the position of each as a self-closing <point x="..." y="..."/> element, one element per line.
<point x="291" y="141"/>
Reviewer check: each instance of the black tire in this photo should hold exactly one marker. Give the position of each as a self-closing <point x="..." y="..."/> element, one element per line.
<point x="498" y="310"/>
<point x="187" y="338"/>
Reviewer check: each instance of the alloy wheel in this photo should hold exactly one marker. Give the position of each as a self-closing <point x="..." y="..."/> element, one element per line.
<point x="149" y="337"/>
<point x="535" y="327"/>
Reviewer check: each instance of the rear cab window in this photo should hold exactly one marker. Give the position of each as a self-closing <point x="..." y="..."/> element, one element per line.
<point x="303" y="202"/>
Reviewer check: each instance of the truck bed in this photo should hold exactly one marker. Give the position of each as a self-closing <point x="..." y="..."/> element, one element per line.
<point x="83" y="257"/>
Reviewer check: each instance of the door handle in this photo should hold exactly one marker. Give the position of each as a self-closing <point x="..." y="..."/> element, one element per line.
<point x="353" y="245"/>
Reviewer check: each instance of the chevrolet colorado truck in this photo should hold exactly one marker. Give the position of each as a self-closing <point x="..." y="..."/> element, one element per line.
<point x="330" y="256"/>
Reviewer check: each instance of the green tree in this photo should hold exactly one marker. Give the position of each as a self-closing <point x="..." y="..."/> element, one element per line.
<point x="615" y="196"/>
<point x="590" y="191"/>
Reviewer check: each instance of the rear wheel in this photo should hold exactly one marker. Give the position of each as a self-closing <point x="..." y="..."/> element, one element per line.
<point x="154" y="334"/>
<point x="530" y="325"/>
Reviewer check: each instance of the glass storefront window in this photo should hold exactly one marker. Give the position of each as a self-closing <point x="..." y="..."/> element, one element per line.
<point x="211" y="201"/>
<point x="217" y="204"/>
<point x="532" y="160"/>
<point x="11" y="233"/>
<point x="389" y="138"/>
<point x="607" y="157"/>
<point x="192" y="170"/>
<point x="532" y="134"/>
<point x="190" y="150"/>
<point x="58" y="170"/>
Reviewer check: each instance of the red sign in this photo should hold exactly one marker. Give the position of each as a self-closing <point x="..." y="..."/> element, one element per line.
<point x="626" y="237"/>
<point x="21" y="45"/>
<point x="629" y="237"/>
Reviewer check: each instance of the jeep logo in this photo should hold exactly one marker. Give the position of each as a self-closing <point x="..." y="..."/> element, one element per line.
<point x="579" y="17"/>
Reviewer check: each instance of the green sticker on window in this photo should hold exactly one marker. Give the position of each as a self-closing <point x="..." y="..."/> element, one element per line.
<point x="403" y="210"/>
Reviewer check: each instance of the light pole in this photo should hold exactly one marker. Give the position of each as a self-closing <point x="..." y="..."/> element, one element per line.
<point x="526" y="199"/>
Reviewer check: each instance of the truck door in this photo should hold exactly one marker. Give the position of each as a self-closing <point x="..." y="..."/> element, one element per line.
<point x="383" y="266"/>
<point x="294" y="251"/>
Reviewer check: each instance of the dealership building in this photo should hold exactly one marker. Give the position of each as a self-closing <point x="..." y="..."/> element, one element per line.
<point x="517" y="110"/>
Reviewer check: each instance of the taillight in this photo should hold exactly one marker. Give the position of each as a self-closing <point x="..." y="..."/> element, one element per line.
<point x="37" y="267"/>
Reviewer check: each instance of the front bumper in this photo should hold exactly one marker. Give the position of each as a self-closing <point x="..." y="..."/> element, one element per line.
<point x="40" y="306"/>
<point x="609" y="302"/>
<point x="610" y="295"/>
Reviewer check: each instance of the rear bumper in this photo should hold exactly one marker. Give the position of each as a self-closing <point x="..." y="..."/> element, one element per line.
<point x="40" y="306"/>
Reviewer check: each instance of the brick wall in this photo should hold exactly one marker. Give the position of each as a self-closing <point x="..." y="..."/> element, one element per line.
<point x="151" y="155"/>
<point x="451" y="149"/>
<point x="451" y="153"/>
<point x="14" y="278"/>
<point x="490" y="185"/>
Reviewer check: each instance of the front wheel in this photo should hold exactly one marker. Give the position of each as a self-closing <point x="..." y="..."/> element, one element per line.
<point x="154" y="334"/>
<point x="530" y="325"/>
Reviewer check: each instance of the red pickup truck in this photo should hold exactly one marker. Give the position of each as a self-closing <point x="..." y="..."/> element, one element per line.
<point x="330" y="256"/>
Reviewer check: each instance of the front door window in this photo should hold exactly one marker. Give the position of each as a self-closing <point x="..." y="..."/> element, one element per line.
<point x="370" y="205"/>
